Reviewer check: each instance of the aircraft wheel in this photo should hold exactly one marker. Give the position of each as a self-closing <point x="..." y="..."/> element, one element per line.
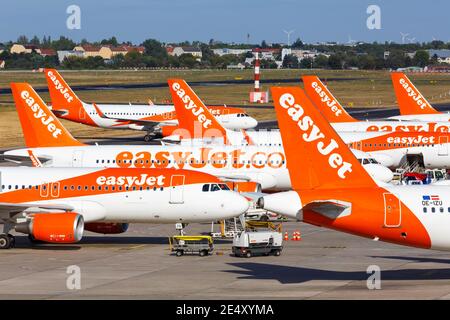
<point x="148" y="138"/>
<point x="5" y="241"/>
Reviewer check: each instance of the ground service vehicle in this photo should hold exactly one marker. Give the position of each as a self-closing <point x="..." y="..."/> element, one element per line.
<point x="248" y="244"/>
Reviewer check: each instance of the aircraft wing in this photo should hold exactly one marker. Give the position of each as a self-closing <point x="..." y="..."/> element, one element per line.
<point x="60" y="112"/>
<point x="22" y="159"/>
<point x="142" y="122"/>
<point x="9" y="210"/>
<point x="332" y="209"/>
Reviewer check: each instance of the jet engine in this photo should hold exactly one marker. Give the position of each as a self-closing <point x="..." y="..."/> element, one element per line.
<point x="64" y="227"/>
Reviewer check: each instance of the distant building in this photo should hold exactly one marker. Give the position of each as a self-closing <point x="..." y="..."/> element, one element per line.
<point x="238" y="66"/>
<point x="24" y="48"/>
<point x="178" y="51"/>
<point x="411" y="69"/>
<point x="2" y="64"/>
<point x="301" y="54"/>
<point x="47" y="52"/>
<point x="443" y="55"/>
<point x="88" y="50"/>
<point x="441" y="68"/>
<point x="62" y="54"/>
<point x="236" y="52"/>
<point x="106" y="52"/>
<point x="267" y="53"/>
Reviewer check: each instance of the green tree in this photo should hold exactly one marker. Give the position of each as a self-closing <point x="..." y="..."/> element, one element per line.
<point x="155" y="49"/>
<point x="22" y="39"/>
<point x="421" y="58"/>
<point x="290" y="61"/>
<point x="335" y="61"/>
<point x="63" y="43"/>
<point x="297" y="43"/>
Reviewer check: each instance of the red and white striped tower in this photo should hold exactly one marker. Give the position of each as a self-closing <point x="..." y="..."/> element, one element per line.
<point x="256" y="95"/>
<point x="257" y="69"/>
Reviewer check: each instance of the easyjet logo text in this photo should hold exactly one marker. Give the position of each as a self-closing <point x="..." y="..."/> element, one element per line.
<point x="190" y="105"/>
<point x="312" y="133"/>
<point x="411" y="140"/>
<point x="205" y="158"/>
<point x="425" y="127"/>
<point x="129" y="181"/>
<point x="58" y="86"/>
<point x="329" y="102"/>
<point x="420" y="101"/>
<point x="39" y="113"/>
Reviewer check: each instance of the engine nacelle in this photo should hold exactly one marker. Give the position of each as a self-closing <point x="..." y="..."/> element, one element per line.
<point x="244" y="186"/>
<point x="65" y="227"/>
<point x="106" y="227"/>
<point x="286" y="203"/>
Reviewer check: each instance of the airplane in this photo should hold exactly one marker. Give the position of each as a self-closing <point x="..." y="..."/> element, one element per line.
<point x="67" y="105"/>
<point x="389" y="148"/>
<point x="331" y="189"/>
<point x="57" y="204"/>
<point x="264" y="166"/>
<point x="412" y="104"/>
<point x="342" y="121"/>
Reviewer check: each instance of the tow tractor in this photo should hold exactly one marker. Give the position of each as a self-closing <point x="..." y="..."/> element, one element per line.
<point x="201" y="245"/>
<point x="252" y="243"/>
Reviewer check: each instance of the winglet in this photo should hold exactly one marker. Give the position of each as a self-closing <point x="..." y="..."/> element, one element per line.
<point x="325" y="101"/>
<point x="316" y="155"/>
<point x="192" y="114"/>
<point x="409" y="99"/>
<point x="40" y="127"/>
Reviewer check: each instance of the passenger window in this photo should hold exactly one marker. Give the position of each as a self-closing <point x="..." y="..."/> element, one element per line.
<point x="433" y="210"/>
<point x="425" y="209"/>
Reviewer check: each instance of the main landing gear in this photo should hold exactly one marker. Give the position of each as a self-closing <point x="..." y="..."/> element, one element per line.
<point x="149" y="136"/>
<point x="7" y="241"/>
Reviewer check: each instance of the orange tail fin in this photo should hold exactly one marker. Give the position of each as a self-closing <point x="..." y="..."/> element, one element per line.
<point x="410" y="101"/>
<point x="192" y="114"/>
<point x="325" y="101"/>
<point x="316" y="155"/>
<point x="39" y="125"/>
<point x="61" y="95"/>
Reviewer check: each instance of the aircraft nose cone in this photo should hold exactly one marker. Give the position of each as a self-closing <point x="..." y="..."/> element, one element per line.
<point x="251" y="122"/>
<point x="239" y="203"/>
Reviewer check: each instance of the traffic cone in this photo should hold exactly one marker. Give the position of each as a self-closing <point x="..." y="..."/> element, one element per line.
<point x="299" y="236"/>
<point x="286" y="236"/>
<point x="294" y="236"/>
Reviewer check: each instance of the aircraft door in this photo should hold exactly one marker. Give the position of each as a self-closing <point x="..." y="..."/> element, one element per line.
<point x="77" y="158"/>
<point x="392" y="211"/>
<point x="177" y="189"/>
<point x="443" y="146"/>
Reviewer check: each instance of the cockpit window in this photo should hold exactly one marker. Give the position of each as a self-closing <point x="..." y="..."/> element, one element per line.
<point x="365" y="161"/>
<point x="372" y="160"/>
<point x="215" y="187"/>
<point x="223" y="186"/>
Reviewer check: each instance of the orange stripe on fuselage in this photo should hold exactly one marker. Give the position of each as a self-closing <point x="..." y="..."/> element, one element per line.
<point x="98" y="180"/>
<point x="398" y="140"/>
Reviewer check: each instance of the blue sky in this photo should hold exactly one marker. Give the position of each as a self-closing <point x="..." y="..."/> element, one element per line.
<point x="227" y="20"/>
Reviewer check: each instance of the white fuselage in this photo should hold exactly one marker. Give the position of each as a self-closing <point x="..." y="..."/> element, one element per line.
<point x="170" y="204"/>
<point x="264" y="165"/>
<point x="162" y="113"/>
<point x="423" y="117"/>
<point x="434" y="125"/>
